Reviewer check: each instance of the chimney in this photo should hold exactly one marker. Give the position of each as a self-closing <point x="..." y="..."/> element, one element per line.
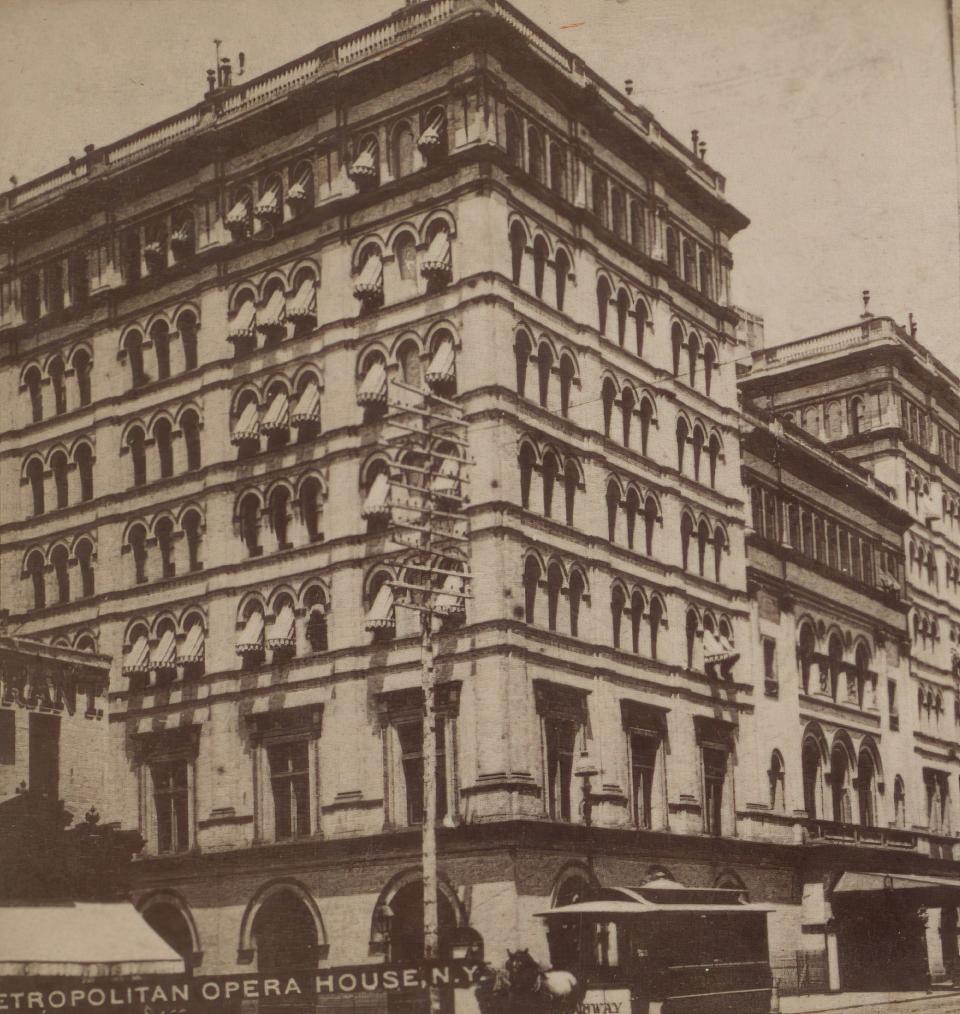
<point x="628" y="86"/>
<point x="865" y="295"/>
<point x="913" y="325"/>
<point x="694" y="140"/>
<point x="703" y="150"/>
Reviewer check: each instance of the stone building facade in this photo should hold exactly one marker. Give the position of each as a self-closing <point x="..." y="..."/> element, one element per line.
<point x="199" y="329"/>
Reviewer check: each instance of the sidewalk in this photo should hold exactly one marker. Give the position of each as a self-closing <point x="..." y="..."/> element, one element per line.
<point x="816" y="1002"/>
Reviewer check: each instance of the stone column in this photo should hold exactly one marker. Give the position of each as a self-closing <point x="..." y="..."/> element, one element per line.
<point x="935" y="967"/>
<point x="833" y="956"/>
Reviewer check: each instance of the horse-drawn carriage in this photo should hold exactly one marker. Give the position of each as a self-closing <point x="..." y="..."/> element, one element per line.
<point x="659" y="947"/>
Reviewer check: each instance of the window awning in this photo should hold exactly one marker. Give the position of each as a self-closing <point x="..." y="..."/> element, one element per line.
<point x="373" y="387"/>
<point x="193" y="645"/>
<point x="275" y="418"/>
<point x="299" y="192"/>
<point x="307" y="409"/>
<point x="445" y="482"/>
<point x="165" y="654"/>
<point x="243" y="324"/>
<point x="153" y="250"/>
<point x="856" y="882"/>
<point x="717" y="649"/>
<point x="282" y="633"/>
<point x="431" y="136"/>
<point x="377" y="501"/>
<point x="450" y="599"/>
<point x="364" y="166"/>
<point x="138" y="658"/>
<point x="181" y="235"/>
<point x="436" y="261"/>
<point x="88" y="939"/>
<point x="239" y="213"/>
<point x="274" y="314"/>
<point x="442" y="366"/>
<point x="248" y="425"/>
<point x="380" y="616"/>
<point x="251" y="637"/>
<point x="269" y="203"/>
<point x="303" y="306"/>
<point x="370" y="281"/>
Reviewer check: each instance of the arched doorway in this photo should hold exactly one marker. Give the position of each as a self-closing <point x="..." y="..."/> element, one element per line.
<point x="406" y="923"/>
<point x="170" y="923"/>
<point x="285" y="934"/>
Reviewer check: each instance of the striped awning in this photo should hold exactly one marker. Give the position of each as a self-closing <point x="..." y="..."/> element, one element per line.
<point x="239" y="213"/>
<point x="303" y="306"/>
<point x="274" y="314"/>
<point x="432" y="134"/>
<point x="450" y="599"/>
<point x="138" y="657"/>
<point x="447" y="478"/>
<point x="282" y="633"/>
<point x="380" y="616"/>
<point x="165" y="654"/>
<point x="298" y="192"/>
<point x="248" y="425"/>
<point x="243" y="324"/>
<point x="373" y="387"/>
<point x="193" y="645"/>
<point x="181" y="235"/>
<point x="250" y="639"/>
<point x="269" y="203"/>
<point x="377" y="501"/>
<point x="370" y="281"/>
<point x="436" y="261"/>
<point x="275" y="418"/>
<point x="442" y="366"/>
<point x="307" y="409"/>
<point x="154" y="250"/>
<point x="717" y="649"/>
<point x="364" y="166"/>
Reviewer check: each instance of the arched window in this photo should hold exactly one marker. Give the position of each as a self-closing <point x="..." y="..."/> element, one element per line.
<point x="618" y="606"/>
<point x="315" y="605"/>
<point x="608" y="394"/>
<point x="160" y="336"/>
<point x="521" y="351"/>
<point x="558" y="170"/>
<point x="655" y="619"/>
<point x="248" y="515"/>
<point x="164" y="533"/>
<point x="840" y="785"/>
<point x="34" y="568"/>
<point x="640" y="315"/>
<point x="676" y="342"/>
<point x="618" y="211"/>
<point x="191" y="525"/>
<point x="133" y="348"/>
<point x="691" y="628"/>
<point x="571" y="480"/>
<point x="549" y="470"/>
<point x="554" y="587"/>
<point x="683" y="433"/>
<point x="83" y="457"/>
<point x="627" y="405"/>
<point x="576" y="593"/>
<point x="603" y="304"/>
<point x="613" y="505"/>
<point x="402" y="150"/>
<point x="531" y="584"/>
<point x="651" y="515"/>
<point x="623" y="309"/>
<point x="686" y="532"/>
<point x="867" y="789"/>
<point x="540" y="256"/>
<point x="280" y="516"/>
<point x="713" y="452"/>
<point x="518" y="245"/>
<point x="514" y="138"/>
<point x="636" y="618"/>
<point x="527" y="461"/>
<point x="405" y="253"/>
<point x="632" y="512"/>
<point x="693" y="354"/>
<point x="58" y="384"/>
<point x="33" y="383"/>
<point x="84" y="555"/>
<point x="777" y="780"/>
<point x="311" y="508"/>
<point x="408" y="356"/>
<point x="535" y="155"/>
<point x="83" y="368"/>
<point x="699" y="438"/>
<point x="190" y="427"/>
<point x="719" y="545"/>
<point x="709" y="365"/>
<point x="544" y="369"/>
<point x="34" y="474"/>
<point x="646" y="417"/>
<point x="188" y="327"/>
<point x="567" y="374"/>
<point x="812" y="762"/>
<point x="137" y="540"/>
<point x="59" y="466"/>
<point x="561" y="271"/>
<point x="163" y="434"/>
<point x="673" y="251"/>
<point x="703" y="539"/>
<point x="60" y="560"/>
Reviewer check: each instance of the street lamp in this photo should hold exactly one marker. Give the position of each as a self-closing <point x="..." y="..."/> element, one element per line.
<point x="585" y="771"/>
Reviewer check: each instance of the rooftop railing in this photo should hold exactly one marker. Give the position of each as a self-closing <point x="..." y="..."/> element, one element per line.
<point x="400" y="27"/>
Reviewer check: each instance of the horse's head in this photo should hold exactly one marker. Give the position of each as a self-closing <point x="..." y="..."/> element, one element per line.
<point x="522" y="970"/>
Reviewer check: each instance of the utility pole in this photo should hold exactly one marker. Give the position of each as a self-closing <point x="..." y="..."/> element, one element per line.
<point x="426" y="436"/>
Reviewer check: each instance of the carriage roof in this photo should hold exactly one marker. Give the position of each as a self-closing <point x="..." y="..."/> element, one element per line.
<point x="658" y="896"/>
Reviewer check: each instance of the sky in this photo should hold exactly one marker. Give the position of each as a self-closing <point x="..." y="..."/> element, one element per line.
<point x="832" y="120"/>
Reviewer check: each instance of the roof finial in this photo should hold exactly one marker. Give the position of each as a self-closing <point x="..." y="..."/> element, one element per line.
<point x="628" y="86"/>
<point x="913" y="325"/>
<point x="866" y="315"/>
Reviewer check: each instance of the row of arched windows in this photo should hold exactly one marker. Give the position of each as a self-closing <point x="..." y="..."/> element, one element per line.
<point x="703" y="534"/>
<point x="631" y="314"/>
<point x="55" y="376"/>
<point x="690" y="261"/>
<point x="164" y="645"/>
<point x="291" y="511"/>
<point x="842" y="783"/>
<point x="279" y="195"/>
<point x="274" y="407"/>
<point x="150" y="352"/>
<point x="283" y="305"/>
<point x="532" y="149"/>
<point x="167" y="545"/>
<point x="842" y="675"/>
<point x="545" y="254"/>
<point x="696" y="356"/>
<point x="163" y="433"/>
<point x="59" y="464"/>
<point x="412" y="143"/>
<point x="923" y="561"/>
<point x="61" y="573"/>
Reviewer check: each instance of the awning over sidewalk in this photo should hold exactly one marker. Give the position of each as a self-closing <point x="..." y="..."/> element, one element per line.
<point x="91" y="939"/>
<point x="854" y="882"/>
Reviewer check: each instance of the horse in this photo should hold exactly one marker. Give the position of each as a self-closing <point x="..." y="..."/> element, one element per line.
<point x="551" y="990"/>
